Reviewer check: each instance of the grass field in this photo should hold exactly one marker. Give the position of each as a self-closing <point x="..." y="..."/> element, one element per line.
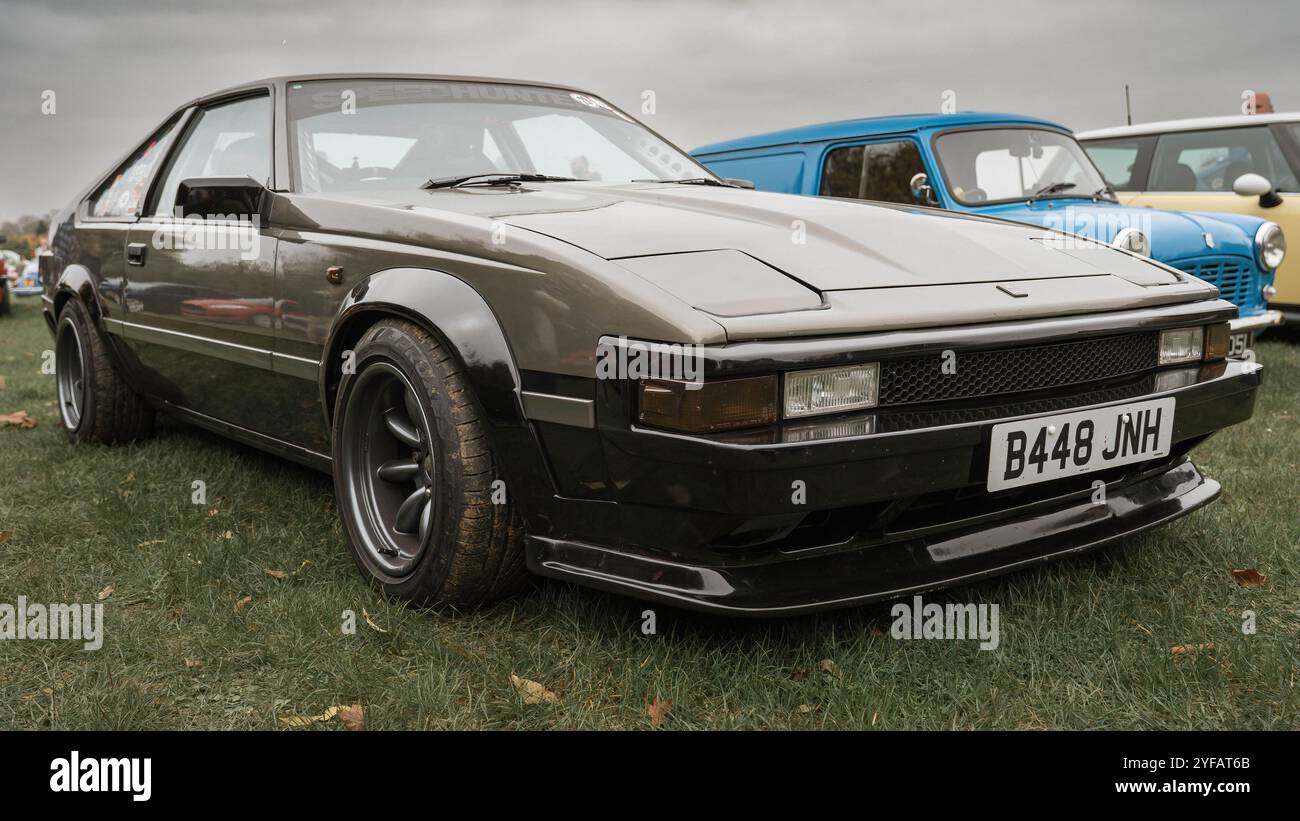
<point x="1085" y="643"/>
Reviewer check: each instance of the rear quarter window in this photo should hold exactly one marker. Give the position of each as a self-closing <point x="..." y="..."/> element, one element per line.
<point x="122" y="194"/>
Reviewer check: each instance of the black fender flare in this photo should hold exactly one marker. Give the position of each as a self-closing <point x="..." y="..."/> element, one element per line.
<point x="76" y="281"/>
<point x="452" y="309"/>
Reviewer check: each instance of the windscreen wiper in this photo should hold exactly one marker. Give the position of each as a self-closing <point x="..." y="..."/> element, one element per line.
<point x="1054" y="188"/>
<point x="493" y="178"/>
<point x="696" y="181"/>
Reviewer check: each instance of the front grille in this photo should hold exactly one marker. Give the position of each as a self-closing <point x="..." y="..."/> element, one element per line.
<point x="1234" y="277"/>
<point x="1012" y="370"/>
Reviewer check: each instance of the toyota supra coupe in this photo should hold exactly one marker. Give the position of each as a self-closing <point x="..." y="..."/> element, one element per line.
<point x="526" y="334"/>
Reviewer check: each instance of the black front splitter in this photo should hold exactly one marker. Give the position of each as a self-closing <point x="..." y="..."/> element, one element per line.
<point x="799" y="582"/>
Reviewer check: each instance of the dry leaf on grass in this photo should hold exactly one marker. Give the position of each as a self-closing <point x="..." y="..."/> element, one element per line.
<point x="370" y="622"/>
<point x="212" y="512"/>
<point x="192" y="664"/>
<point x="6" y="535"/>
<point x="1186" y="649"/>
<point x="303" y="721"/>
<point x="277" y="574"/>
<point x="827" y="666"/>
<point x="152" y="542"/>
<point x="798" y="674"/>
<point x="353" y="717"/>
<point x="532" y="692"/>
<point x="242" y="603"/>
<point x="105" y="593"/>
<point x="228" y="535"/>
<point x="19" y="419"/>
<point x="658" y="710"/>
<point x="809" y="708"/>
<point x="1250" y="577"/>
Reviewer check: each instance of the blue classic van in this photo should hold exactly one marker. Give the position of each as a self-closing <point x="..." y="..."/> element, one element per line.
<point x="1007" y="166"/>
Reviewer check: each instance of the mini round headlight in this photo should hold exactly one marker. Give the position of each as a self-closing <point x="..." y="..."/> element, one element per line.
<point x="1270" y="244"/>
<point x="1131" y="239"/>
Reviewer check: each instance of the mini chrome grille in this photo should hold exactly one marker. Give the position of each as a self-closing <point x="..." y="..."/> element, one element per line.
<point x="1234" y="277"/>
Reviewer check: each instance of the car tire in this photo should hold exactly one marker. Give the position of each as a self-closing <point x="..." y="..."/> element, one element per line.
<point x="415" y="475"/>
<point x="95" y="403"/>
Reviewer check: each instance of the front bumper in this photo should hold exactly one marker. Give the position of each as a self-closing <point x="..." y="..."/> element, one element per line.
<point x="1256" y="322"/>
<point x="682" y="493"/>
<point x="862" y="574"/>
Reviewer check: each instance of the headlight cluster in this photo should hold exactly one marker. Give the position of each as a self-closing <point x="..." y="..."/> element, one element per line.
<point x="755" y="401"/>
<point x="1194" y="344"/>
<point x="1270" y="245"/>
<point x="726" y="404"/>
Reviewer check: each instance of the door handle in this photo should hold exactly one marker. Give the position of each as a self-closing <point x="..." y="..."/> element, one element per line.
<point x="135" y="253"/>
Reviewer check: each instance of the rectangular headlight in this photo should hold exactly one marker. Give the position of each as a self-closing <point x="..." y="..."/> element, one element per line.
<point x="831" y="390"/>
<point x="723" y="404"/>
<point x="1181" y="345"/>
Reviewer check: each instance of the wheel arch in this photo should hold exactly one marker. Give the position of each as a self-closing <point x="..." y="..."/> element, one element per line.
<point x="460" y="318"/>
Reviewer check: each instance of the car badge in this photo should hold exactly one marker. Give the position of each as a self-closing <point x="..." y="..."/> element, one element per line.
<point x="1012" y="291"/>
<point x="1209" y="239"/>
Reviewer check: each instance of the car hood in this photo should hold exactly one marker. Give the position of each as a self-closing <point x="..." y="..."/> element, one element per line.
<point x="827" y="244"/>
<point x="1174" y="235"/>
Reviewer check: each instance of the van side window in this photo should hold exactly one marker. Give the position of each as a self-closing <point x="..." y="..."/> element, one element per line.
<point x="876" y="171"/>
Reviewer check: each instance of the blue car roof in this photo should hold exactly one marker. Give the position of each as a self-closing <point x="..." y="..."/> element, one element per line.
<point x="866" y="126"/>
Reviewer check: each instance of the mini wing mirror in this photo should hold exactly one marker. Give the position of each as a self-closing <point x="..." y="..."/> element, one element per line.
<point x="922" y="190"/>
<point x="1255" y="185"/>
<point x="236" y="199"/>
<point x="741" y="183"/>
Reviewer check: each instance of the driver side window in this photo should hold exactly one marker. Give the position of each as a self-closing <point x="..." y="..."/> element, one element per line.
<point x="226" y="140"/>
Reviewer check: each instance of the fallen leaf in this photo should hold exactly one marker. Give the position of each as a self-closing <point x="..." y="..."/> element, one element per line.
<point x="278" y="574"/>
<point x="1249" y="577"/>
<point x="532" y="692"/>
<point x="239" y="605"/>
<point x="303" y="721"/>
<point x="826" y="666"/>
<point x="658" y="710"/>
<point x="19" y="419"/>
<point x="228" y="535"/>
<point x="105" y="593"/>
<point x="193" y="663"/>
<point x="1184" y="649"/>
<point x="212" y="512"/>
<point x="798" y="674"/>
<point x="373" y="626"/>
<point x="152" y="542"/>
<point x="809" y="708"/>
<point x="353" y="717"/>
<point x="6" y="535"/>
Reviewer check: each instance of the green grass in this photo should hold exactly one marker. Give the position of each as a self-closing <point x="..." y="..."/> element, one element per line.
<point x="1085" y="642"/>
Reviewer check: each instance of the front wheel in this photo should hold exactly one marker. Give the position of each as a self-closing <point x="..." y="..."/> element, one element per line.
<point x="414" y="475"/>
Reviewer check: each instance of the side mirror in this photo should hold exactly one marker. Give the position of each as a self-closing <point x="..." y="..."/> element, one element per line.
<point x="741" y="183"/>
<point x="1254" y="185"/>
<point x="234" y="198"/>
<point x="922" y="190"/>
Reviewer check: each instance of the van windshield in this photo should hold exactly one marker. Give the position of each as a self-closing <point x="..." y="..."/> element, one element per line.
<point x="1005" y="164"/>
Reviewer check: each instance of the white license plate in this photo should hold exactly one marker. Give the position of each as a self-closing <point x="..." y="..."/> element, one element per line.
<point x="1239" y="343"/>
<point x="1068" y="444"/>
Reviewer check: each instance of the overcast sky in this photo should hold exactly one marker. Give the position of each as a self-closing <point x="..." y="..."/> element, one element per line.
<point x="718" y="69"/>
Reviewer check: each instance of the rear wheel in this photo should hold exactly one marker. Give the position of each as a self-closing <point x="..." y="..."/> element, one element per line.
<point x="414" y="474"/>
<point x="96" y="405"/>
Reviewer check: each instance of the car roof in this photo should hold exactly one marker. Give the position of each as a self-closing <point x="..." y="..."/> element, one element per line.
<point x="1194" y="124"/>
<point x="285" y="79"/>
<point x="868" y="126"/>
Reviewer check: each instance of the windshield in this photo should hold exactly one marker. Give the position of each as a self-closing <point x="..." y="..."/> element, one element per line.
<point x="1000" y="164"/>
<point x="348" y="135"/>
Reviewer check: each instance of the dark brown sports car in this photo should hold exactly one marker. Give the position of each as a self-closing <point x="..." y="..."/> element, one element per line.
<point x="534" y="335"/>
